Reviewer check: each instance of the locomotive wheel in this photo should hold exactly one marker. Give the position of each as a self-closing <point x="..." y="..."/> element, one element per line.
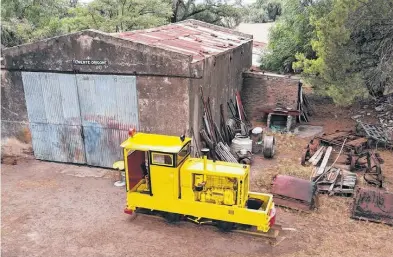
<point x="172" y="217"/>
<point x="269" y="145"/>
<point x="225" y="226"/>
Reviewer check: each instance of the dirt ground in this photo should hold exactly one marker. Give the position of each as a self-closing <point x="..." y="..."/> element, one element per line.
<point x="51" y="209"/>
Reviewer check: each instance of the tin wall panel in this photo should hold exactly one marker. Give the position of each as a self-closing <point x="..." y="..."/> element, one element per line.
<point x="59" y="143"/>
<point x="54" y="116"/>
<point x="80" y="118"/>
<point x="51" y="98"/>
<point x="109" y="108"/>
<point x="34" y="98"/>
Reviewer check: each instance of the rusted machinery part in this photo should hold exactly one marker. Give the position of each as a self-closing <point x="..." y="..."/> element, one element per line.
<point x="269" y="146"/>
<point x="379" y="158"/>
<point x="245" y="161"/>
<point x="304" y="156"/>
<point x="353" y="160"/>
<point x="373" y="205"/>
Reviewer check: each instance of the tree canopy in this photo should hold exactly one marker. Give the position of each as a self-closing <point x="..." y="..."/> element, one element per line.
<point x="343" y="48"/>
<point x="28" y="20"/>
<point x="263" y="11"/>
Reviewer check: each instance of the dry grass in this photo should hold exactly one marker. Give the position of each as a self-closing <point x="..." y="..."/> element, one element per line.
<point x="287" y="161"/>
<point x="329" y="230"/>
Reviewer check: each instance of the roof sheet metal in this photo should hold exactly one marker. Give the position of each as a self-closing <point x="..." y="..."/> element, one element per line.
<point x="374" y="205"/>
<point x="187" y="38"/>
<point x="294" y="192"/>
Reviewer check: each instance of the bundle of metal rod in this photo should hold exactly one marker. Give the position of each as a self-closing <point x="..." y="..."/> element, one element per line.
<point x="217" y="137"/>
<point x="224" y="153"/>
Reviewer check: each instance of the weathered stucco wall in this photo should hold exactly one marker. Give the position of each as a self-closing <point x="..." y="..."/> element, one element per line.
<point x="14" y="120"/>
<point x="160" y="97"/>
<point x="262" y="91"/>
<point x="122" y="56"/>
<point x="222" y="78"/>
<point x="163" y="104"/>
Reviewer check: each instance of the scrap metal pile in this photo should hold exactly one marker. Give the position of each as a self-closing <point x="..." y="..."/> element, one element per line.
<point x="217" y="138"/>
<point x="358" y="158"/>
<point x="377" y="136"/>
<point x="230" y="140"/>
<point x="381" y="108"/>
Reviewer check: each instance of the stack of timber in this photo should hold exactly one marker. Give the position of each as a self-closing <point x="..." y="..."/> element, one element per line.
<point x="333" y="180"/>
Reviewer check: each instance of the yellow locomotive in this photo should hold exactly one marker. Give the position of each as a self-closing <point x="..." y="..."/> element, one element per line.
<point x="162" y="178"/>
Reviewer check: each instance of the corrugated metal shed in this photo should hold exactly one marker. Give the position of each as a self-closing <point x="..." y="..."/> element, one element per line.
<point x="84" y="90"/>
<point x="189" y="37"/>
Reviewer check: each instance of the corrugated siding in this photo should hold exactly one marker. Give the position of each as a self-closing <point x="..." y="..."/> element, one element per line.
<point x="108" y="110"/>
<point x="80" y="118"/>
<point x="54" y="116"/>
<point x="59" y="143"/>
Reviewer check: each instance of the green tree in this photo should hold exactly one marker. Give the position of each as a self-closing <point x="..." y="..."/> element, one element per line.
<point x="124" y="15"/>
<point x="353" y="45"/>
<point x="293" y="34"/>
<point x="211" y="11"/>
<point x="23" y="20"/>
<point x="29" y="20"/>
<point x="263" y="11"/>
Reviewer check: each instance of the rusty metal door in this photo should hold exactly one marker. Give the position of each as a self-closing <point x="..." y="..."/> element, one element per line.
<point x="109" y="108"/>
<point x="54" y="116"/>
<point x="80" y="118"/>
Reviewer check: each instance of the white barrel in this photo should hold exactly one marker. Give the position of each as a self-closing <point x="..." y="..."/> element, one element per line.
<point x="241" y="142"/>
<point x="256" y="137"/>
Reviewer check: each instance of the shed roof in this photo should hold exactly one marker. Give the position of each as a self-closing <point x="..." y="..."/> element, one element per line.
<point x="190" y="37"/>
<point x="165" y="50"/>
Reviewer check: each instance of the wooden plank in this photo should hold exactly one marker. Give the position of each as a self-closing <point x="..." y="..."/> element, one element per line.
<point x="334" y="181"/>
<point x="342" y="166"/>
<point x="324" y="161"/>
<point x="322" y="148"/>
<point x="319" y="157"/>
<point x="313" y="172"/>
<point x="342" y="180"/>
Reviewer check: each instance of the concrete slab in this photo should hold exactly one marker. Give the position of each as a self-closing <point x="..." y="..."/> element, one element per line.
<point x="305" y="131"/>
